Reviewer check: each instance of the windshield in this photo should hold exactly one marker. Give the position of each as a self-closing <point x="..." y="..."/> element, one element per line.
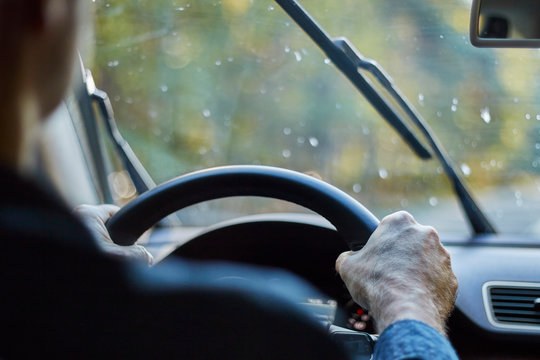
<point x="207" y="83"/>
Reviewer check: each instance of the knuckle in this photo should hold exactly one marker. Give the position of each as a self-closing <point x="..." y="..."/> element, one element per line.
<point x="447" y="262"/>
<point x="405" y="216"/>
<point x="340" y="260"/>
<point x="431" y="233"/>
<point x="398" y="217"/>
<point x="385" y="220"/>
<point x="455" y="282"/>
<point x="445" y="253"/>
<point x="81" y="208"/>
<point x="431" y="238"/>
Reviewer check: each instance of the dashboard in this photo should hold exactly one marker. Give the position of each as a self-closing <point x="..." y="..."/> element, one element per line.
<point x="497" y="312"/>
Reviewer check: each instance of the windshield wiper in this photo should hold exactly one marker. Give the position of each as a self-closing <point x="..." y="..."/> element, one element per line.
<point x="349" y="61"/>
<point x="350" y="69"/>
<point x="141" y="179"/>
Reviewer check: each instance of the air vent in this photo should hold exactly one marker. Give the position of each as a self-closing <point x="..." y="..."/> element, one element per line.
<point x="513" y="304"/>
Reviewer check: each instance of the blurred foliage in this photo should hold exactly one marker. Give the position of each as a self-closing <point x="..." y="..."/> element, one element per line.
<point x="203" y="83"/>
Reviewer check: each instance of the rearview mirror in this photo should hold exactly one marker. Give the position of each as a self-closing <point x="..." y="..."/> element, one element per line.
<point x="505" y="23"/>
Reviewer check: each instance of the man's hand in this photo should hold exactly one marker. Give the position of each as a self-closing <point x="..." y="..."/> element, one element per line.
<point x="95" y="217"/>
<point x="403" y="272"/>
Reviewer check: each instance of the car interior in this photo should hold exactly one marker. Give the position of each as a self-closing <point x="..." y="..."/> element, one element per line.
<point x="250" y="168"/>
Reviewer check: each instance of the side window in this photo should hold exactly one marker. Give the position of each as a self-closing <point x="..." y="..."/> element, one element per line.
<point x="64" y="157"/>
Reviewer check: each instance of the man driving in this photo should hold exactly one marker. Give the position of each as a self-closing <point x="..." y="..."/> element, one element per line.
<point x="64" y="295"/>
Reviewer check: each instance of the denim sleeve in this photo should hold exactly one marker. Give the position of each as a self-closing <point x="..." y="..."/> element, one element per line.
<point x="411" y="339"/>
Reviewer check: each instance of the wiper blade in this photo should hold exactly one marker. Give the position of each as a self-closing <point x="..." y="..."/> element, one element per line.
<point x="348" y="60"/>
<point x="349" y="68"/>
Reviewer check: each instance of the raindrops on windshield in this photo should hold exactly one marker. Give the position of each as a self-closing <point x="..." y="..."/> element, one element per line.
<point x="485" y="115"/>
<point x="454" y="104"/>
<point x="465" y="169"/>
<point x="286" y="153"/>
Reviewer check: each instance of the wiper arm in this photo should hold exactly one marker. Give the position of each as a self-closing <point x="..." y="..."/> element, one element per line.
<point x="348" y="60"/>
<point x="141" y="179"/>
<point x="350" y="69"/>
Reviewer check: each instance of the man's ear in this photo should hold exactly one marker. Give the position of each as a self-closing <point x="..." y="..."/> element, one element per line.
<point x="46" y="13"/>
<point x="37" y="13"/>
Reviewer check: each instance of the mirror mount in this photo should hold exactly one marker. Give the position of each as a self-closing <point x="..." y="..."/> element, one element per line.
<point x="505" y="23"/>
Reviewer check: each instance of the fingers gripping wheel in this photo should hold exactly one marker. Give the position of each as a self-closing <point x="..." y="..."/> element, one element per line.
<point x="352" y="220"/>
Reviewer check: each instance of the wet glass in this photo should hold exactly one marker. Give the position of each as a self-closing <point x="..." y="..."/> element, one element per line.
<point x="208" y="83"/>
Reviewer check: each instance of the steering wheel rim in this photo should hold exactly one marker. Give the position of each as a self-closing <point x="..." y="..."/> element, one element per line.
<point x="352" y="220"/>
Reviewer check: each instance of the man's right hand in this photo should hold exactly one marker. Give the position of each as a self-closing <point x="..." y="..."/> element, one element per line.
<point x="403" y="272"/>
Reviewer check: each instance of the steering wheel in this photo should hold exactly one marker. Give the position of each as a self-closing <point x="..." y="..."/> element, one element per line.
<point x="352" y="220"/>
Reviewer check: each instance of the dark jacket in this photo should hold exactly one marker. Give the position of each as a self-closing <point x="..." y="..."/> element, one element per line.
<point x="60" y="297"/>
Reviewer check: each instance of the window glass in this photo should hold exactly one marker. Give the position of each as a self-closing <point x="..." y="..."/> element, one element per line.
<point x="197" y="84"/>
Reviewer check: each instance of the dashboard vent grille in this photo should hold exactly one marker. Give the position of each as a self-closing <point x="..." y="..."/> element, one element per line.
<point x="515" y="304"/>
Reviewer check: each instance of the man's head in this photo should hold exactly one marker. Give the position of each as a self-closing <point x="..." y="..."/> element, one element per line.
<point x="37" y="38"/>
<point x="37" y="42"/>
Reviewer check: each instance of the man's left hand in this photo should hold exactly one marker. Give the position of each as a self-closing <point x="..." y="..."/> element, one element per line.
<point x="95" y="217"/>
